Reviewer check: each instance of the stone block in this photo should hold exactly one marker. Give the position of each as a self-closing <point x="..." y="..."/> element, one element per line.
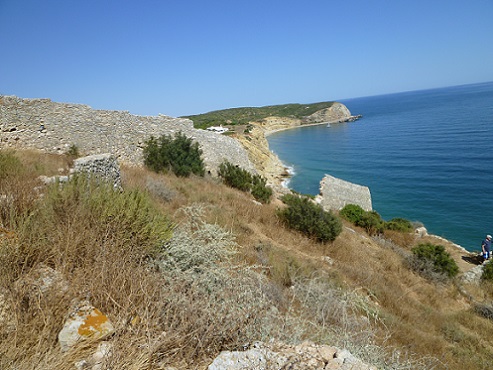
<point x="336" y="193"/>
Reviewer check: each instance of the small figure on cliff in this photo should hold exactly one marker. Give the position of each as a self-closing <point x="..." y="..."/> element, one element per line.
<point x="486" y="247"/>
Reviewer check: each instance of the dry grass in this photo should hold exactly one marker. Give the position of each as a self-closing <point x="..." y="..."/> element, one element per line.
<point x="230" y="275"/>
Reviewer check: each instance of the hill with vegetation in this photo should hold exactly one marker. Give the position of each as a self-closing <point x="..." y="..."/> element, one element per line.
<point x="242" y="116"/>
<point x="187" y="267"/>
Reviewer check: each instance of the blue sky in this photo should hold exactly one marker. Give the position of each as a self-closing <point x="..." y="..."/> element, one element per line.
<point x="180" y="57"/>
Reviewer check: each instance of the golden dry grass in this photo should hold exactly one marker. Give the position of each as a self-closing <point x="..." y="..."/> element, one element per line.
<point x="173" y="315"/>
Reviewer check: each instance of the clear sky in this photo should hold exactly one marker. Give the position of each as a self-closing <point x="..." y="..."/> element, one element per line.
<point x="180" y="57"/>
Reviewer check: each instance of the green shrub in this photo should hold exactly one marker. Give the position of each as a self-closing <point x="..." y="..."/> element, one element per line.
<point x="487" y="272"/>
<point x="260" y="190"/>
<point x="238" y="178"/>
<point x="399" y="224"/>
<point x="73" y="151"/>
<point x="128" y="219"/>
<point x="371" y="220"/>
<point x="179" y="154"/>
<point x="372" y="223"/>
<point x="432" y="257"/>
<point x="352" y="212"/>
<point x="309" y="218"/>
<point x="235" y="176"/>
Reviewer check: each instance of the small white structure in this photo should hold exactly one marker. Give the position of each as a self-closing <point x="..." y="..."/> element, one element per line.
<point x="218" y="129"/>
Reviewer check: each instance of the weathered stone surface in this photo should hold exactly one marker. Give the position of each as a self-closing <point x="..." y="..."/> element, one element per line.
<point x="41" y="282"/>
<point x="96" y="361"/>
<point x="101" y="166"/>
<point x="421" y="232"/>
<point x="282" y="356"/>
<point x="473" y="275"/>
<point x="54" y="127"/>
<point x="84" y="322"/>
<point x="336" y="193"/>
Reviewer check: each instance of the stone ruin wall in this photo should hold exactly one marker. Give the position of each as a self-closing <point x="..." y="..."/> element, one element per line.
<point x="336" y="193"/>
<point x="54" y="127"/>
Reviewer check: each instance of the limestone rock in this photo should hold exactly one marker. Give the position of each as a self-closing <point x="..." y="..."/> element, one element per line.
<point x="336" y="113"/>
<point x="84" y="322"/>
<point x="101" y="166"/>
<point x="336" y="193"/>
<point x="96" y="361"/>
<point x="473" y="275"/>
<point x="41" y="283"/>
<point x="421" y="232"/>
<point x="282" y="356"/>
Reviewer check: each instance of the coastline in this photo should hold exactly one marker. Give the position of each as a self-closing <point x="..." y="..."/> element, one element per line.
<point x="268" y="132"/>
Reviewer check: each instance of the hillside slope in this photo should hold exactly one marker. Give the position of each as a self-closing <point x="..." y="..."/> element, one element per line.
<point x="232" y="275"/>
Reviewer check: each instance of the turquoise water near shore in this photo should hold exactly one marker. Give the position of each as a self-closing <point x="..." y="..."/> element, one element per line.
<point x="425" y="155"/>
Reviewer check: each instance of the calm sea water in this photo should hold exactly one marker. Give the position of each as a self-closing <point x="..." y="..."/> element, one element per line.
<point x="425" y="155"/>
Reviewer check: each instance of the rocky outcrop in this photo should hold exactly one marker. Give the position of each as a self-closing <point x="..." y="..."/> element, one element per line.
<point x="266" y="162"/>
<point x="336" y="193"/>
<point x="84" y="322"/>
<point x="337" y="112"/>
<point x="101" y="166"/>
<point x="283" y="356"/>
<point x="55" y="127"/>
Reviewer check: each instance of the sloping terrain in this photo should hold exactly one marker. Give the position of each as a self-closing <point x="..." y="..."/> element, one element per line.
<point x="231" y="275"/>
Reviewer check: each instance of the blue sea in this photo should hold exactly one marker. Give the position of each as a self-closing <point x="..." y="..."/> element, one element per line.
<point x="425" y="155"/>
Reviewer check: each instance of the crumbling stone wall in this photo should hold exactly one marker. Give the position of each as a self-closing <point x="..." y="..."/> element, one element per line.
<point x="54" y="127"/>
<point x="336" y="193"/>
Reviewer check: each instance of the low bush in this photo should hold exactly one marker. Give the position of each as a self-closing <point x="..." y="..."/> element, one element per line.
<point x="260" y="190"/>
<point x="241" y="179"/>
<point x="309" y="218"/>
<point x="487" y="272"/>
<point x="432" y="261"/>
<point x="352" y="212"/>
<point x="235" y="176"/>
<point x="16" y="183"/>
<point x="73" y="151"/>
<point x="10" y="165"/>
<point x="399" y="224"/>
<point x="371" y="220"/>
<point x="179" y="154"/>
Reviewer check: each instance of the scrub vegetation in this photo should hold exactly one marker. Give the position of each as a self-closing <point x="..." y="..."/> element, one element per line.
<point x="186" y="267"/>
<point x="242" y="116"/>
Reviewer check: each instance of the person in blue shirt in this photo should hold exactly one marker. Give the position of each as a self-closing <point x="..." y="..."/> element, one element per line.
<point x="486" y="247"/>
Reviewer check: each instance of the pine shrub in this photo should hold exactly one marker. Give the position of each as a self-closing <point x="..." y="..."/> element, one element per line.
<point x="235" y="176"/>
<point x="352" y="212"/>
<point x="179" y="154"/>
<point x="309" y="218"/>
<point x="260" y="190"/>
<point x="429" y="259"/>
<point x="487" y="272"/>
<point x="241" y="179"/>
<point x="399" y="224"/>
<point x="371" y="220"/>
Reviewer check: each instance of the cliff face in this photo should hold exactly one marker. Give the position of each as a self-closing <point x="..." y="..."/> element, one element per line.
<point x="257" y="146"/>
<point x="336" y="113"/>
<point x="266" y="162"/>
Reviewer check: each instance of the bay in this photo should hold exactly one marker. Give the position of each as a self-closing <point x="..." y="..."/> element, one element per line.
<point x="425" y="155"/>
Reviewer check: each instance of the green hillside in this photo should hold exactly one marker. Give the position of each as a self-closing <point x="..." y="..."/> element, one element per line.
<point x="241" y="116"/>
